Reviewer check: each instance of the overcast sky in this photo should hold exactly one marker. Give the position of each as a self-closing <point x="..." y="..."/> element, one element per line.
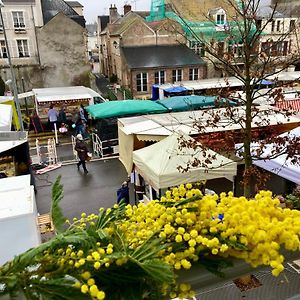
<point x="94" y="8"/>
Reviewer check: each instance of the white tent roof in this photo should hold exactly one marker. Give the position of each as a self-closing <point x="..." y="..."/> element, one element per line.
<point x="159" y="163"/>
<point x="165" y="124"/>
<point x="5" y="117"/>
<point x="280" y="165"/>
<point x="64" y="93"/>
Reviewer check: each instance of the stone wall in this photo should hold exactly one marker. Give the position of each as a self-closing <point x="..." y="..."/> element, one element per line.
<point x="63" y="54"/>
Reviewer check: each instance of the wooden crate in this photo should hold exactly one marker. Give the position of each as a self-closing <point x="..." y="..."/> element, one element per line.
<point x="45" y="223"/>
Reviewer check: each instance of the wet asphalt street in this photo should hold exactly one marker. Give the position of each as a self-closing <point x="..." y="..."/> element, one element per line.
<point x="82" y="193"/>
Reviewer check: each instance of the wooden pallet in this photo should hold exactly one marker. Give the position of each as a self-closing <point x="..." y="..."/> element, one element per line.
<point x="45" y="223"/>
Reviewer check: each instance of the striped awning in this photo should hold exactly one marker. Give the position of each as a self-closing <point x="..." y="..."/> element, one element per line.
<point x="289" y="104"/>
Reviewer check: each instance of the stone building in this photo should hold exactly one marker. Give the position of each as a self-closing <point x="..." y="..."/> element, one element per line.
<point x="20" y="19"/>
<point x="138" y="54"/>
<point x="63" y="45"/>
<point x="47" y="42"/>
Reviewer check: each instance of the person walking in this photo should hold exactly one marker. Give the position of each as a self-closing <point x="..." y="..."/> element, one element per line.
<point x="52" y="117"/>
<point x="123" y="193"/>
<point x="82" y="152"/>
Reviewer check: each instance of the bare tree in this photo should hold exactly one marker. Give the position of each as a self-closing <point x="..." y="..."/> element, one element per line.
<point x="247" y="53"/>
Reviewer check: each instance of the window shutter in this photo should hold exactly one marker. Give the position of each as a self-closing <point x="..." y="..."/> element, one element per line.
<point x="4" y="15"/>
<point x="31" y="48"/>
<point x="9" y="20"/>
<point x="13" y="48"/>
<point x="27" y="20"/>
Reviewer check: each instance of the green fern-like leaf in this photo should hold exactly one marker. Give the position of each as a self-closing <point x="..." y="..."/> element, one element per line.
<point x="56" y="212"/>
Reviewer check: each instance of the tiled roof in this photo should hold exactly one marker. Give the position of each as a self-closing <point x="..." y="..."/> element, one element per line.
<point x="160" y="56"/>
<point x="17" y="1"/>
<point x="74" y="4"/>
<point x="51" y="8"/>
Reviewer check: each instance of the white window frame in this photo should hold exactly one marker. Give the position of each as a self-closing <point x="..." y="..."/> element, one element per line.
<point x="143" y="84"/>
<point x="160" y="77"/>
<point x="178" y="75"/>
<point x="23" y="44"/>
<point x="198" y="47"/>
<point x="222" y="18"/>
<point x="2" y="47"/>
<point x="193" y="73"/>
<point x="18" y="19"/>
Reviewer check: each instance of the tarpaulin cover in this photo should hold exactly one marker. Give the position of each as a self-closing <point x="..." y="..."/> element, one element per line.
<point x="124" y="108"/>
<point x="183" y="103"/>
<point x="159" y="163"/>
<point x="280" y="165"/>
<point x="176" y="89"/>
<point x="266" y="82"/>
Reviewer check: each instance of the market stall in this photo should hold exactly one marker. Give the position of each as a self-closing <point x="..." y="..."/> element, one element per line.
<point x="69" y="97"/>
<point x="14" y="156"/>
<point x="158" y="164"/>
<point x="19" y="231"/>
<point x="280" y="165"/>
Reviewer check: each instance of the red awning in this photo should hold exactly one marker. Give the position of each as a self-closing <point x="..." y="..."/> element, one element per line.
<point x="289" y="104"/>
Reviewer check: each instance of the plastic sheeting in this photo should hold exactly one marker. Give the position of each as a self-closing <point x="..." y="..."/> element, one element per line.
<point x="159" y="163"/>
<point x="6" y="113"/>
<point x="183" y="103"/>
<point x="280" y="165"/>
<point x="124" y="108"/>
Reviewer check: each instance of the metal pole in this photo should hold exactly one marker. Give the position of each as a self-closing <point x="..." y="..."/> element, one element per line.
<point x="14" y="85"/>
<point x="26" y="104"/>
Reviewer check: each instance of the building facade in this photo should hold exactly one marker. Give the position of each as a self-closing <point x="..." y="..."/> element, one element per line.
<point x="47" y="41"/>
<point x="20" y="20"/>
<point x="133" y="52"/>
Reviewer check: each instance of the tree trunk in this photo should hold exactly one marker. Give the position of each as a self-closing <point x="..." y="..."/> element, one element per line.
<point x="248" y="138"/>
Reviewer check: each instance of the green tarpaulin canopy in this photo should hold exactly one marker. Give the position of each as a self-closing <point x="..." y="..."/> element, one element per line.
<point x="183" y="103"/>
<point x="124" y="108"/>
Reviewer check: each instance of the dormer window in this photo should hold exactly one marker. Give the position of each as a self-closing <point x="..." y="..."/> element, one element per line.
<point x="218" y="16"/>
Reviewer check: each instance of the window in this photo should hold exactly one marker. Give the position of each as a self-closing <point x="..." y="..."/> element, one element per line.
<point x="273" y="26"/>
<point x="141" y="82"/>
<point x="278" y="26"/>
<point x="177" y="75"/>
<point x="198" y="47"/>
<point x="292" y="25"/>
<point x="18" y="18"/>
<point x="258" y="24"/>
<point x="23" y="48"/>
<point x="220" y="19"/>
<point x="194" y="74"/>
<point x="159" y="77"/>
<point x="3" y="50"/>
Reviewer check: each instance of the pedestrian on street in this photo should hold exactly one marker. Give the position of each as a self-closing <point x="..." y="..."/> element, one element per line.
<point x="82" y="113"/>
<point x="62" y="117"/>
<point x="52" y="117"/>
<point x="123" y="193"/>
<point x="82" y="152"/>
<point x="80" y="128"/>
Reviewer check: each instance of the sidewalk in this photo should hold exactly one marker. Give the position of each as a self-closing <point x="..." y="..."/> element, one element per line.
<point x="82" y="193"/>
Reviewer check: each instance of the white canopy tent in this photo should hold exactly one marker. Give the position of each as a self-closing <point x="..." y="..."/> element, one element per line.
<point x="5" y="117"/>
<point x="158" y="163"/>
<point x="280" y="165"/>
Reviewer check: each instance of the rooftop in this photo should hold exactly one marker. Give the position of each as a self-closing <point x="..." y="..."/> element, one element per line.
<point x="160" y="56"/>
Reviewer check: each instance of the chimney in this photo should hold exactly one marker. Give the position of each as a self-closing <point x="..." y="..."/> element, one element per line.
<point x="113" y="14"/>
<point x="127" y="8"/>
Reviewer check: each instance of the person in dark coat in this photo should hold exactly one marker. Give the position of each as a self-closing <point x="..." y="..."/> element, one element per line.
<point x="82" y="152"/>
<point x="62" y="117"/>
<point x="123" y="193"/>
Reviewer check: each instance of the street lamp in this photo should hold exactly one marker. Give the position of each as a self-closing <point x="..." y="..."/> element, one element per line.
<point x="14" y="85"/>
